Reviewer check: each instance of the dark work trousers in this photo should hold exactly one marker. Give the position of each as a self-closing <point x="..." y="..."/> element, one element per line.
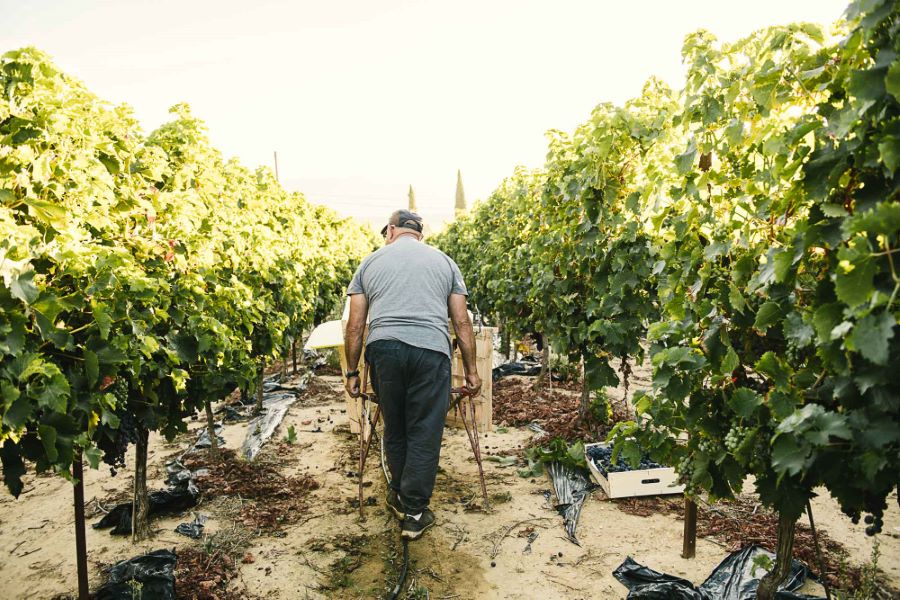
<point x="413" y="389"/>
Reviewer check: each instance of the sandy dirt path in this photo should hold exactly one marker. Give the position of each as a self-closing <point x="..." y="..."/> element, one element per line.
<point x="329" y="553"/>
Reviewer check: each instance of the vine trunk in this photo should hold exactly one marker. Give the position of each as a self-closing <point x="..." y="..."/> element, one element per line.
<point x="259" y="387"/>
<point x="768" y="585"/>
<point x="140" y="527"/>
<point x="211" y="430"/>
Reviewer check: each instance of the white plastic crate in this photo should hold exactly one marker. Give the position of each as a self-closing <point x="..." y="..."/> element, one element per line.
<point x="642" y="482"/>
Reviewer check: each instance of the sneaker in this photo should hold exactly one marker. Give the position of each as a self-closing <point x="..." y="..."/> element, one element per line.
<point x="394" y="504"/>
<point x="413" y="528"/>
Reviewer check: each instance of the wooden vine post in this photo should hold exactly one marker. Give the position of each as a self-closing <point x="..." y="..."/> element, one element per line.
<point x="689" y="547"/>
<point x="80" y="539"/>
<point x="545" y="366"/>
<point x="689" y="544"/>
<point x="259" y="387"/>
<point x="505" y="341"/>
<point x="211" y="430"/>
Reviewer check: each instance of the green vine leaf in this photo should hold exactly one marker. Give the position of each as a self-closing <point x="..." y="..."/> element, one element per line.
<point x="871" y="336"/>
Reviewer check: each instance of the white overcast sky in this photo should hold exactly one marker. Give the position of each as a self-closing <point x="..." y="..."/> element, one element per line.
<point x="363" y="98"/>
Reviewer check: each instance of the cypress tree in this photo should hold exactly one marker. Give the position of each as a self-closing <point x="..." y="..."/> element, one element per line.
<point x="460" y="195"/>
<point x="412" y="199"/>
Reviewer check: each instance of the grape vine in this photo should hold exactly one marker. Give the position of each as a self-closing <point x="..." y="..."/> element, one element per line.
<point x="143" y="275"/>
<point x="746" y="228"/>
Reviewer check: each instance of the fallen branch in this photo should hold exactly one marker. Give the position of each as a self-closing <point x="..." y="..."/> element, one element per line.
<point x="461" y="533"/>
<point x="562" y="583"/>
<point x="496" y="549"/>
<point x="309" y="564"/>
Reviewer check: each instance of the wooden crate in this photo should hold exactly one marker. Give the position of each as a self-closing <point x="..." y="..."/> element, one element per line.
<point x="484" y="356"/>
<point x="355" y="405"/>
<point x="642" y="482"/>
<point x="484" y="348"/>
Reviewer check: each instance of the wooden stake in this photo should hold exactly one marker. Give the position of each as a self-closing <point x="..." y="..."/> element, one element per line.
<point x="505" y="342"/>
<point x="585" y="390"/>
<point x="463" y="403"/>
<point x="823" y="575"/>
<point x="363" y="442"/>
<point x="259" y="387"/>
<point x="211" y="430"/>
<point x="689" y="548"/>
<point x="80" y="539"/>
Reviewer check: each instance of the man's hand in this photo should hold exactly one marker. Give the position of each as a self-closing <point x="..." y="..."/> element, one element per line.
<point x="465" y="338"/>
<point x="352" y="386"/>
<point x="353" y="339"/>
<point x="473" y="383"/>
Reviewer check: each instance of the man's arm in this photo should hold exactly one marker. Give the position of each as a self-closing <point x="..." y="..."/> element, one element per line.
<point x="353" y="339"/>
<point x="465" y="337"/>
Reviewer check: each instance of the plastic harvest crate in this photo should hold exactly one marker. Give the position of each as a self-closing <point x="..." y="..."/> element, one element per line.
<point x="641" y="482"/>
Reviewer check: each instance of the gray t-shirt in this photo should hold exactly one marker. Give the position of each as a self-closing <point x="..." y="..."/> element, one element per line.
<point x="407" y="285"/>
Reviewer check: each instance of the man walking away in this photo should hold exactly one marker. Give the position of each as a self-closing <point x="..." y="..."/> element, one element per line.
<point x="408" y="289"/>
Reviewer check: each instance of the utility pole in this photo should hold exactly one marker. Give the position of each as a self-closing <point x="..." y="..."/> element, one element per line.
<point x="276" y="166"/>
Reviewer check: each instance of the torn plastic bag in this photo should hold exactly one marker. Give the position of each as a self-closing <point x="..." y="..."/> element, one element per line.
<point x="644" y="583"/>
<point x="181" y="495"/>
<point x="273" y="384"/>
<point x="536" y="427"/>
<point x="572" y="487"/>
<point x="732" y="579"/>
<point x="314" y="359"/>
<point x="523" y="368"/>
<point x="194" y="529"/>
<point x="231" y="414"/>
<point x="155" y="572"/>
<point x="177" y="474"/>
<point x="203" y="442"/>
<point x="171" y="501"/>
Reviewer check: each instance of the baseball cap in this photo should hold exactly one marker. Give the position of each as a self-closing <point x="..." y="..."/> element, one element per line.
<point x="406" y="219"/>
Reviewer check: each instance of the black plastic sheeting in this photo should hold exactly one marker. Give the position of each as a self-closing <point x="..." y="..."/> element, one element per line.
<point x="572" y="486"/>
<point x="277" y="399"/>
<point x="314" y="359"/>
<point x="154" y="572"/>
<point x="203" y="442"/>
<point x="524" y="368"/>
<point x="230" y="414"/>
<point x="733" y="579"/>
<point x="194" y="529"/>
<point x="181" y="495"/>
